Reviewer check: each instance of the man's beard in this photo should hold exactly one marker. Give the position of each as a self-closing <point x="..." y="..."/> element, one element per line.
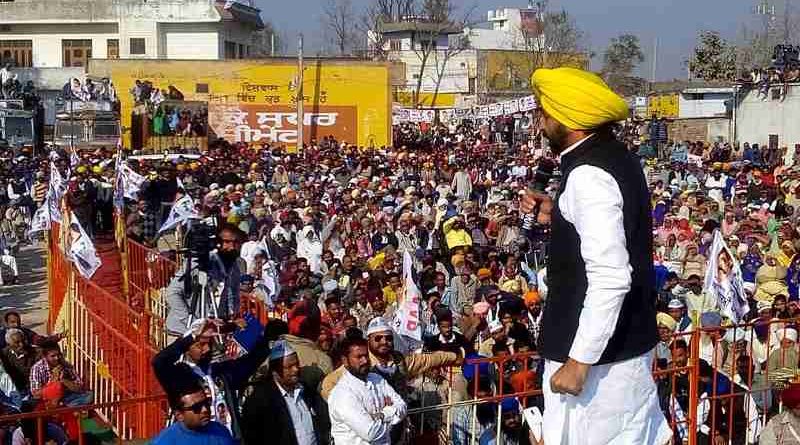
<point x="228" y="257"/>
<point x="558" y="139"/>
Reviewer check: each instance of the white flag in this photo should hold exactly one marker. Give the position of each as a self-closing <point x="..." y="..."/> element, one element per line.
<point x="74" y="159"/>
<point x="724" y="280"/>
<point x="131" y="182"/>
<point x="41" y="219"/>
<point x="55" y="192"/>
<point x="182" y="210"/>
<point x="407" y="320"/>
<point x="81" y="250"/>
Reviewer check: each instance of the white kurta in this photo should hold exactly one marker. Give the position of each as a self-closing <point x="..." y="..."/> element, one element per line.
<point x="359" y="412"/>
<point x="619" y="402"/>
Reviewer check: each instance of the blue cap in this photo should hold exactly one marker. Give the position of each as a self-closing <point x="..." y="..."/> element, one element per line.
<point x="509" y="405"/>
<point x="710" y="320"/>
<point x="280" y="350"/>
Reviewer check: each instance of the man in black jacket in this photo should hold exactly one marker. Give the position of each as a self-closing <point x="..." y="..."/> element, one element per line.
<point x="598" y="326"/>
<point x="282" y="408"/>
<point x="224" y="379"/>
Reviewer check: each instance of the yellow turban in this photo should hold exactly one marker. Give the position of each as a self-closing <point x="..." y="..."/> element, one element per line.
<point x="666" y="320"/>
<point x="578" y="99"/>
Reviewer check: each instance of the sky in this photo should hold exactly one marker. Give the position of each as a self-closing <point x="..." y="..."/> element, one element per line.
<point x="674" y="23"/>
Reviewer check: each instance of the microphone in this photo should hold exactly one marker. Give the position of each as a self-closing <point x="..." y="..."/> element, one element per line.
<point x="543" y="174"/>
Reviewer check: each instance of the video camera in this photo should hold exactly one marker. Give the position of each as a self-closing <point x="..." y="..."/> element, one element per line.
<point x="199" y="241"/>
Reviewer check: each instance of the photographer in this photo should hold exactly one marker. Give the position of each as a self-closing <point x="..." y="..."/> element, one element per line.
<point x="222" y="378"/>
<point x="219" y="295"/>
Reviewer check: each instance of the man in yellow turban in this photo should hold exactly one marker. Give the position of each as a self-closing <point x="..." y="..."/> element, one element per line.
<point x="599" y="324"/>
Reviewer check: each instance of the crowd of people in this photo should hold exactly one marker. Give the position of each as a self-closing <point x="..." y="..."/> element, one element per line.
<point x="320" y="238"/>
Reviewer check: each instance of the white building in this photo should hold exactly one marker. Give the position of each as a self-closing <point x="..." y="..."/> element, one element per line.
<point x="704" y="102"/>
<point x="67" y="33"/>
<point x="443" y="66"/>
<point x="452" y="68"/>
<point x="768" y="121"/>
<point x="511" y="29"/>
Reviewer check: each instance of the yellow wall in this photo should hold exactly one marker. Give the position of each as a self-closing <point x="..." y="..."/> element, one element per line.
<point x="663" y="105"/>
<point x="360" y="88"/>
<point x="511" y="70"/>
<point x="443" y="100"/>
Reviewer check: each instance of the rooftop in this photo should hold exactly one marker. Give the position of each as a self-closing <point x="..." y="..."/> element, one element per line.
<point x="411" y="24"/>
<point x="110" y="11"/>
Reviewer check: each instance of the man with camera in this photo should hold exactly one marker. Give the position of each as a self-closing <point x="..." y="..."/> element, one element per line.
<point x="223" y="379"/>
<point x="211" y="286"/>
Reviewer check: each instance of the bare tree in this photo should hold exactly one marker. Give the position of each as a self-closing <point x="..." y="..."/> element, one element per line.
<point x="267" y="42"/>
<point x="441" y="58"/>
<point x="437" y="36"/>
<point x="554" y="40"/>
<point x="375" y="15"/>
<point x="339" y="19"/>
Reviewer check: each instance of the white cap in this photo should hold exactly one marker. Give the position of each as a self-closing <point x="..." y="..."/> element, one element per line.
<point x="763" y="306"/>
<point x="378" y="324"/>
<point x="495" y="326"/>
<point x="788" y="334"/>
<point x="280" y="350"/>
<point x="675" y="304"/>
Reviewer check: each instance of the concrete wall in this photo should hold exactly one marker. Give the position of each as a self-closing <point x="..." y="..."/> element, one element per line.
<point x="711" y="106"/>
<point x="83" y="11"/>
<point x="756" y="119"/>
<point x="199" y="41"/>
<point x="46" y="39"/>
<point x="700" y="129"/>
<point x="456" y="71"/>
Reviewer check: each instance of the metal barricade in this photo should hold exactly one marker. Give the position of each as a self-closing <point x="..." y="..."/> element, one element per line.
<point x="110" y="349"/>
<point x="746" y="366"/>
<point x="118" y="412"/>
<point x="58" y="270"/>
<point x="149" y="275"/>
<point x="450" y="420"/>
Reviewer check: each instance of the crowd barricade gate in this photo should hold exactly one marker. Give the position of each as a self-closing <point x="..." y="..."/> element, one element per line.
<point x="111" y="342"/>
<point x="436" y="422"/>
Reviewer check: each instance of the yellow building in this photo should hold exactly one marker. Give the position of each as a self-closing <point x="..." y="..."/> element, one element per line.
<point x="254" y="101"/>
<point x="509" y="71"/>
<point x="663" y="105"/>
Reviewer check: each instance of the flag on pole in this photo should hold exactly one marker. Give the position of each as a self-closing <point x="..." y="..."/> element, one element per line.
<point x="40" y="221"/>
<point x="81" y="250"/>
<point x="128" y="183"/>
<point x="407" y="320"/>
<point x="724" y="280"/>
<point x="74" y="159"/>
<point x="183" y="210"/>
<point x="55" y="192"/>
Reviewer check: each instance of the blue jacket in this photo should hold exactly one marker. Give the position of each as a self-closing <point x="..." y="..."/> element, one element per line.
<point x="177" y="434"/>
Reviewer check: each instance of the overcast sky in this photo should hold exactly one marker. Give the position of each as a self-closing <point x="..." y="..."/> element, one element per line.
<point x="674" y="22"/>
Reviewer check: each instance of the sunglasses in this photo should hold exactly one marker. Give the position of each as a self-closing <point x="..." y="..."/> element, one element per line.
<point x="197" y="408"/>
<point x="383" y="337"/>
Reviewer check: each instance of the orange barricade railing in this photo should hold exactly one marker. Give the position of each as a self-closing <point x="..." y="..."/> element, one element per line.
<point x="149" y="275"/>
<point x="111" y="342"/>
<point x="117" y="413"/>
<point x="108" y="342"/>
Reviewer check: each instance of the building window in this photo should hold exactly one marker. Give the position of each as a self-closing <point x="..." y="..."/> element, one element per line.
<point x="241" y="51"/>
<point x="112" y="49"/>
<point x="395" y="45"/>
<point x="77" y="52"/>
<point x="201" y="88"/>
<point x="16" y="52"/>
<point x="230" y="50"/>
<point x="138" y="46"/>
